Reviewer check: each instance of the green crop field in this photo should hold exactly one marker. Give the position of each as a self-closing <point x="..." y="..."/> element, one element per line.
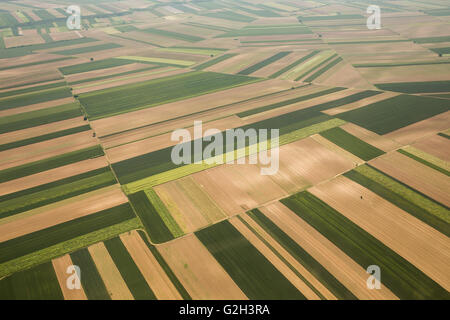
<point x="303" y="257"/>
<point x="95" y="65"/>
<point x="331" y="17"/>
<point x="32" y="89"/>
<point x="214" y="61"/>
<point x="90" y="279"/>
<point x="100" y="47"/>
<point x="229" y="15"/>
<point x="416" y="87"/>
<point x="34" y="97"/>
<point x="441" y="51"/>
<point x="38" y="283"/>
<point x="28" y="199"/>
<point x="39" y="117"/>
<point x="50" y="163"/>
<point x="44" y="137"/>
<point x="267" y="31"/>
<point x="38" y="240"/>
<point x="404" y="197"/>
<point x="400" y="276"/>
<point x="294" y="64"/>
<point x="264" y="63"/>
<point x="108" y="102"/>
<point x="245" y="264"/>
<point x="318" y="73"/>
<point x="151" y="219"/>
<point x="129" y="271"/>
<point x="174" y="35"/>
<point x="395" y="113"/>
<point x="352" y="144"/>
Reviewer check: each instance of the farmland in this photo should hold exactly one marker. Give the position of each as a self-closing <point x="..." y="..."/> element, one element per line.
<point x="323" y="151"/>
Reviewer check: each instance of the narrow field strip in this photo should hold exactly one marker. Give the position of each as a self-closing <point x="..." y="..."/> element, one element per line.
<point x="428" y="160"/>
<point x="264" y="63"/>
<point x="129" y="271"/>
<point x="294" y="64"/>
<point x="404" y="197"/>
<point x="245" y="264"/>
<point x="90" y="278"/>
<point x="61" y="265"/>
<point x="352" y="144"/>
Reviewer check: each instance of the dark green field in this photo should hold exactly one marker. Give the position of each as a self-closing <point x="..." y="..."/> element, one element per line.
<point x="94" y="65"/>
<point x="174" y="35"/>
<point x="100" y="47"/>
<point x="352" y="144"/>
<point x="50" y="163"/>
<point x="395" y="113"/>
<point x="264" y="63"/>
<point x="34" y="98"/>
<point x="108" y="102"/>
<point x="303" y="257"/>
<point x="416" y="87"/>
<point x="39" y="117"/>
<point x="129" y="271"/>
<point x="214" y="61"/>
<point x="251" y="271"/>
<point x="294" y="64"/>
<point x="154" y="225"/>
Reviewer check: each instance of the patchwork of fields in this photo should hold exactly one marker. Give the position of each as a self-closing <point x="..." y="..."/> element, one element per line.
<point x="363" y="158"/>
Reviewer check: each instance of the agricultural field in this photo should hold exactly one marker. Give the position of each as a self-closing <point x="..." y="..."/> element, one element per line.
<point x="224" y="150"/>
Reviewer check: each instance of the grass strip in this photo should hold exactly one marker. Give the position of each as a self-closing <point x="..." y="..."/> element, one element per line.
<point x="424" y="161"/>
<point x="294" y="64"/>
<point x="323" y="70"/>
<point x="264" y="63"/>
<point x="214" y="61"/>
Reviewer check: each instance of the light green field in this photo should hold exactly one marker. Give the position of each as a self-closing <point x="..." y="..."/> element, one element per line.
<point x="182" y="63"/>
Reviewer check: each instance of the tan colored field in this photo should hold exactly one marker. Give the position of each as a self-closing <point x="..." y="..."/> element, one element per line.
<point x="344" y="75"/>
<point x="60" y="266"/>
<point x="414" y="240"/>
<point x="341" y="266"/>
<point x="415" y="174"/>
<point x="361" y="103"/>
<point x="421" y="129"/>
<point x="104" y="72"/>
<point x="128" y="79"/>
<point x="307" y="162"/>
<point x="153" y="273"/>
<point x="435" y="145"/>
<point x="280" y="64"/>
<point x="18" y="41"/>
<point x="37" y="106"/>
<point x="189" y="204"/>
<point x="137" y="148"/>
<point x="46" y="149"/>
<point x="52" y="175"/>
<point x="37" y="131"/>
<point x="405" y="74"/>
<point x="114" y="283"/>
<point x="274" y="260"/>
<point x="16" y="77"/>
<point x="240" y="187"/>
<point x="111" y="197"/>
<point x="201" y="275"/>
<point x="380" y="142"/>
<point x="336" y="149"/>
<point x="180" y="108"/>
<point x="68" y="35"/>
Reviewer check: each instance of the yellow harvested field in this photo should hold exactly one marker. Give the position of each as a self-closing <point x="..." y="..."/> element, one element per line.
<point x="152" y="271"/>
<point x="414" y="240"/>
<point x="201" y="275"/>
<point x="435" y="145"/>
<point x="341" y="266"/>
<point x="52" y="175"/>
<point x="416" y="175"/>
<point x="114" y="283"/>
<point x="111" y="197"/>
<point x="60" y="266"/>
